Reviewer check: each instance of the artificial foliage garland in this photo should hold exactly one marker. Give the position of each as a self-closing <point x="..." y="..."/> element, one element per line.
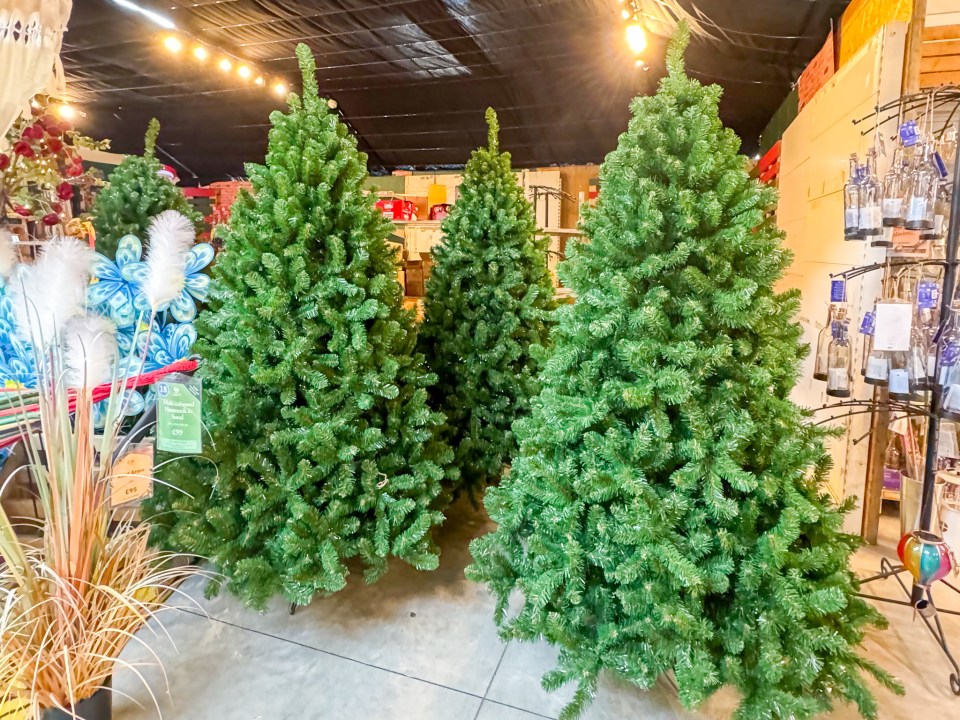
<point x="665" y="512"/>
<point x="486" y="312"/>
<point x="136" y="193"/>
<point x="323" y="445"/>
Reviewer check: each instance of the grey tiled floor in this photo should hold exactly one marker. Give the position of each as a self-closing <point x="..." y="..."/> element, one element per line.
<point x="422" y="646"/>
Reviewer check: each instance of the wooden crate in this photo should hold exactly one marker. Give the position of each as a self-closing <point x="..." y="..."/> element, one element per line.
<point x="940" y="60"/>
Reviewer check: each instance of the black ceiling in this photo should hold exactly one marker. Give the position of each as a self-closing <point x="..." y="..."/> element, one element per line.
<point x="413" y="77"/>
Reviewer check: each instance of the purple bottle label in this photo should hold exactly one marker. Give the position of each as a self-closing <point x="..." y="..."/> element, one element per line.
<point x="869" y="323"/>
<point x="838" y="291"/>
<point x="908" y="133"/>
<point x="928" y="295"/>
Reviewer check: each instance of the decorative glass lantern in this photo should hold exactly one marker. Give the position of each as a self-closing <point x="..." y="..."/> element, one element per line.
<point x="948" y="366"/>
<point x="899" y="378"/>
<point x="839" y="356"/>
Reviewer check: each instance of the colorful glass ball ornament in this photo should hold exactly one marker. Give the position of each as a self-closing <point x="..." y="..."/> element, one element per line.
<point x="925" y="556"/>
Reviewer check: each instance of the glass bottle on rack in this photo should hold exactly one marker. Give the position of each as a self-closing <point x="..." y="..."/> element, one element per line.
<point x="871" y="192"/>
<point x="948" y="365"/>
<point x="839" y="356"/>
<point x="851" y="202"/>
<point x="875" y="368"/>
<point x="921" y="192"/>
<point x="894" y="189"/>
<point x="822" y="360"/>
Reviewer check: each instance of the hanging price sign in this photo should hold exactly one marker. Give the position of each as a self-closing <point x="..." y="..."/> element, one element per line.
<point x="178" y="414"/>
<point x="132" y="477"/>
<point x="838" y="291"/>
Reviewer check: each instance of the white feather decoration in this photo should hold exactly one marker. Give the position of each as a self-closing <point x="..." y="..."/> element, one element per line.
<point x="90" y="350"/>
<point x="8" y="255"/>
<point x="171" y="236"/>
<point x="50" y="292"/>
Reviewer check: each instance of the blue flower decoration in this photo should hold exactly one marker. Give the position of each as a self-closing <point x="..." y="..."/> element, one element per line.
<point x="197" y="285"/>
<point x="115" y="292"/>
<point x="17" y="364"/>
<point x="166" y="345"/>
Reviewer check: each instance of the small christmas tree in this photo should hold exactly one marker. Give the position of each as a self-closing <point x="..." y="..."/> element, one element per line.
<point x="486" y="310"/>
<point x="665" y="512"/>
<point x="136" y="193"/>
<point x="323" y="444"/>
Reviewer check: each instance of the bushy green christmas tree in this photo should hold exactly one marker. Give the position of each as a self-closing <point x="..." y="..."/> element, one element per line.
<point x="665" y="512"/>
<point x="323" y="444"/>
<point x="486" y="312"/>
<point x="135" y="194"/>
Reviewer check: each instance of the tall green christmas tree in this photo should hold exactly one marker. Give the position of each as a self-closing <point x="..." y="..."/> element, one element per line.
<point x="323" y="444"/>
<point x="665" y="512"/>
<point x="135" y="194"/>
<point x="486" y="311"/>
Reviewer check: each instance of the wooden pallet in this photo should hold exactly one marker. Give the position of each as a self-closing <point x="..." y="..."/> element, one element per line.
<point x="940" y="60"/>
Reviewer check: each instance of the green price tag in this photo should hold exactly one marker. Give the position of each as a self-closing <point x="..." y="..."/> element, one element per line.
<point x="178" y="414"/>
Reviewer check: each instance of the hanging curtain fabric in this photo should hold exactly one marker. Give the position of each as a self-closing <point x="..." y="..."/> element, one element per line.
<point x="31" y="33"/>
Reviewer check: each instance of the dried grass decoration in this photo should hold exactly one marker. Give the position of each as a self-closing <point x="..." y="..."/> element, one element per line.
<point x="71" y="603"/>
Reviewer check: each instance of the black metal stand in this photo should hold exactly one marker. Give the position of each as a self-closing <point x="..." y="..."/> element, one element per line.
<point x="920" y="597"/>
<point x="926" y="608"/>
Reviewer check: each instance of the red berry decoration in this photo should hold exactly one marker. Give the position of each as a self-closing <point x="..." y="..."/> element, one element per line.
<point x="51" y="219"/>
<point x="33" y="132"/>
<point x="22" y="211"/>
<point x="54" y="145"/>
<point x="51" y="125"/>
<point x="75" y="170"/>
<point x="4" y="161"/>
<point x="64" y="191"/>
<point x="22" y="147"/>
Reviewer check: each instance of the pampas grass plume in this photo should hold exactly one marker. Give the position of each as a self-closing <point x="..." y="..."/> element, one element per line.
<point x="50" y="292"/>
<point x="171" y="236"/>
<point x="90" y="350"/>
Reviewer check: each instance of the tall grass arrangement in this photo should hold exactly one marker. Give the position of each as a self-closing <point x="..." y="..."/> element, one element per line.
<point x="72" y="598"/>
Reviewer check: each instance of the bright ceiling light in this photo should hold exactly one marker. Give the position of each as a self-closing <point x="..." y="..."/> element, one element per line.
<point x="66" y="112"/>
<point x="200" y="53"/>
<point x="639" y="63"/>
<point x="259" y="81"/>
<point x="280" y="89"/>
<point x="625" y="14"/>
<point x="172" y="43"/>
<point x="226" y="65"/>
<point x="244" y="72"/>
<point x="157" y="18"/>
<point x="636" y="38"/>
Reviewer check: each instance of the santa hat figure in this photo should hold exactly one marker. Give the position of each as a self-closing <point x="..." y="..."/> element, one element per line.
<point x="169" y="173"/>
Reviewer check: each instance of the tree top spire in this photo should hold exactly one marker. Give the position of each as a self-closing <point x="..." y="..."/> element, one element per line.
<point x="308" y="68"/>
<point x="493" y="130"/>
<point x="150" y="139"/>
<point x="676" y="48"/>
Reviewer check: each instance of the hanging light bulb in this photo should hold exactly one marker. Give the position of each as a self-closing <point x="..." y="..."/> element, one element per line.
<point x="244" y="72"/>
<point x="280" y="89"/>
<point x="259" y="81"/>
<point x="66" y="112"/>
<point x="200" y="53"/>
<point x="625" y="14"/>
<point x="226" y="65"/>
<point x="172" y="43"/>
<point x="636" y="38"/>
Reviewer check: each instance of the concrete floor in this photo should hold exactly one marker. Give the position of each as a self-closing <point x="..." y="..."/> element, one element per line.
<point x="423" y="646"/>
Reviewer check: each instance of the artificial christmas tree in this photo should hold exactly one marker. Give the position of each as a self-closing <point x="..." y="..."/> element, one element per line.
<point x="323" y="444"/>
<point x="665" y="511"/>
<point x="486" y="310"/>
<point x="136" y="193"/>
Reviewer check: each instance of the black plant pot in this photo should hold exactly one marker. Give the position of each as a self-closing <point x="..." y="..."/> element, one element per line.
<point x="95" y="707"/>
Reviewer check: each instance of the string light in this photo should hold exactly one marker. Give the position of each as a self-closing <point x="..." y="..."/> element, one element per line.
<point x="625" y="14"/>
<point x="200" y="53"/>
<point x="244" y="72"/>
<point x="226" y="65"/>
<point x="636" y="38"/>
<point x="280" y="89"/>
<point x="66" y="112"/>
<point x="172" y="43"/>
<point x="259" y="81"/>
